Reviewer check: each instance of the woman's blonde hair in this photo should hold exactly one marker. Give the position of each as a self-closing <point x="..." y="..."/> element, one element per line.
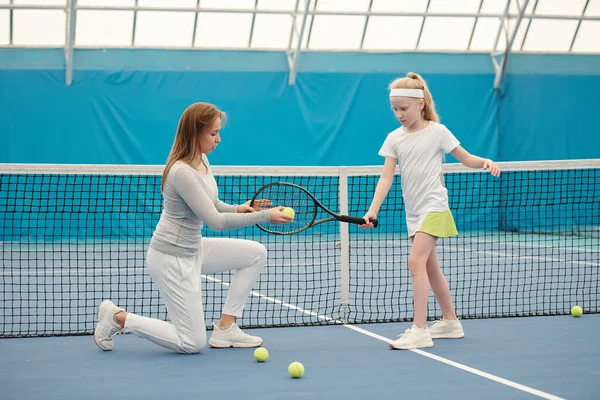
<point x="195" y="121"/>
<point x="415" y="81"/>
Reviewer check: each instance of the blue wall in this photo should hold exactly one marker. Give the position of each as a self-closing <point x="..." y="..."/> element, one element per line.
<point x="124" y="105"/>
<point x="550" y="117"/>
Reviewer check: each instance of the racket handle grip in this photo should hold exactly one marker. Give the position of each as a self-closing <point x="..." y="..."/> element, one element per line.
<point x="357" y="220"/>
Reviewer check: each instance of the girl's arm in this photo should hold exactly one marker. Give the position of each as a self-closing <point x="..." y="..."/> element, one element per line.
<point x="469" y="160"/>
<point x="383" y="187"/>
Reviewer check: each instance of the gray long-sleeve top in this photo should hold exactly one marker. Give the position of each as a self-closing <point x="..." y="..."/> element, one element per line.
<point x="191" y="199"/>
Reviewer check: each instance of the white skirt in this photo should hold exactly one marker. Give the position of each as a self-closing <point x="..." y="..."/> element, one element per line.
<point x="413" y="223"/>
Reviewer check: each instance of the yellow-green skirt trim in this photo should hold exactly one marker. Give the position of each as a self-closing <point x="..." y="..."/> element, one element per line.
<point x="438" y="224"/>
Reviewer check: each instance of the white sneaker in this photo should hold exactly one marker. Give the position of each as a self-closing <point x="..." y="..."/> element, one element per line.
<point x="446" y="329"/>
<point x="232" y="336"/>
<point x="107" y="328"/>
<point x="413" y="338"/>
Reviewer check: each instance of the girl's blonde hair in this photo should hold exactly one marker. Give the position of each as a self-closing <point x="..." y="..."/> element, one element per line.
<point x="415" y="81"/>
<point x="195" y="121"/>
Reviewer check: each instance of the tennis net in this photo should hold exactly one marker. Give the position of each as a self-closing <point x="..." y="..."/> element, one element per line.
<point x="72" y="235"/>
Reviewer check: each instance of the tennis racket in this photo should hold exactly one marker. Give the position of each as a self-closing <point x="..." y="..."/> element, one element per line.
<point x="305" y="205"/>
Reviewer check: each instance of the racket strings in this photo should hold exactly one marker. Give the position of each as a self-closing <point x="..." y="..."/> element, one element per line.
<point x="289" y="196"/>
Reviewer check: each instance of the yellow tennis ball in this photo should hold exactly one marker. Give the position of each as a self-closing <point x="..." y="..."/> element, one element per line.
<point x="289" y="211"/>
<point x="261" y="354"/>
<point x="576" y="311"/>
<point x="296" y="369"/>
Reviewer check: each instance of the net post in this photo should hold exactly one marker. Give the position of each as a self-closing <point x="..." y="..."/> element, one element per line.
<point x="345" y="312"/>
<point x="344" y="240"/>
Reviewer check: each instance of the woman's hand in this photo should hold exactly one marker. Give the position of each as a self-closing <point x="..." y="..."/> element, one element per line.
<point x="277" y="217"/>
<point x="257" y="206"/>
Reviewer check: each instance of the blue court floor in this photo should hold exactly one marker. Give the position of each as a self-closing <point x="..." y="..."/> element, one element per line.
<point x="510" y="358"/>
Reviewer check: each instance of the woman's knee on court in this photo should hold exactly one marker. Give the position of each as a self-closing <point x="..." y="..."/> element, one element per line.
<point x="193" y="344"/>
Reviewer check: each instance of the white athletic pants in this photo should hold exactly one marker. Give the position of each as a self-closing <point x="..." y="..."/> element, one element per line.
<point x="178" y="280"/>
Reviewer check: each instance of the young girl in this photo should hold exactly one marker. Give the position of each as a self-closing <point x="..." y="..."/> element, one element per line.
<point x="419" y="146"/>
<point x="178" y="254"/>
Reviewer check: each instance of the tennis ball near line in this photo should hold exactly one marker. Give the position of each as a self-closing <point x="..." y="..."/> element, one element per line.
<point x="261" y="354"/>
<point x="296" y="369"/>
<point x="289" y="211"/>
<point x="576" y="311"/>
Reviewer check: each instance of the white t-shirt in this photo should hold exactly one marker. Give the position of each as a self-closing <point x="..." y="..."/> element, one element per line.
<point x="420" y="156"/>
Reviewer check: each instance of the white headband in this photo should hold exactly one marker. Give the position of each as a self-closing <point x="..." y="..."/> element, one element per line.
<point x="418" y="93"/>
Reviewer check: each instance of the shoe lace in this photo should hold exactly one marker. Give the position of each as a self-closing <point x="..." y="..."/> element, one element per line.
<point x="116" y="331"/>
<point x="405" y="334"/>
<point x="112" y="329"/>
<point x="238" y="332"/>
<point x="436" y="323"/>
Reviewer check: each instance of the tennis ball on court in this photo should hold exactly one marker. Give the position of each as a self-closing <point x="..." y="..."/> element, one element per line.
<point x="261" y="354"/>
<point x="289" y="211"/>
<point x="576" y="311"/>
<point x="296" y="369"/>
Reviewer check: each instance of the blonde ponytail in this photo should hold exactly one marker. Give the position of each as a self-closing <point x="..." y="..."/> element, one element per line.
<point x="415" y="81"/>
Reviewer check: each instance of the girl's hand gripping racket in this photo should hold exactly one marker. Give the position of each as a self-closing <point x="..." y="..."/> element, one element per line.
<point x="304" y="204"/>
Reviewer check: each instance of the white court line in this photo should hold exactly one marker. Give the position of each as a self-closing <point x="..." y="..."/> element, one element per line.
<point x="466" y="368"/>
<point x="536" y="246"/>
<point x="68" y="272"/>
<point x="277" y="301"/>
<point x="443" y="360"/>
<point x="78" y="271"/>
<point x="504" y="254"/>
<point x="499" y="241"/>
<point x="58" y="271"/>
